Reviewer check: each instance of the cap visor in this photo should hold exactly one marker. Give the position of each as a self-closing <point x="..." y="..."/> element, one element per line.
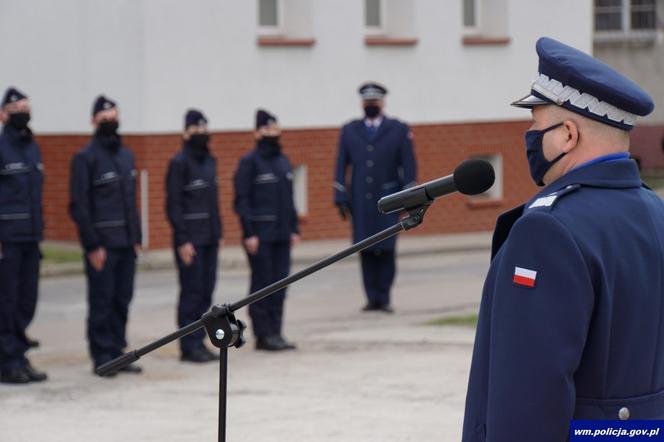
<point x="529" y="101"/>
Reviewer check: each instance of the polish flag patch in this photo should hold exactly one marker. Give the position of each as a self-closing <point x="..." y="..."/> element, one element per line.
<point x="524" y="277"/>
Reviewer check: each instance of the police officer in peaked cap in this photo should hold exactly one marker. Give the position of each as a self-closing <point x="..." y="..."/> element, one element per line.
<point x="379" y="151"/>
<point x="570" y="323"/>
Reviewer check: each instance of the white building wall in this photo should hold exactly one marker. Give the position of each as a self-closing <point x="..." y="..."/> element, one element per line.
<point x="158" y="57"/>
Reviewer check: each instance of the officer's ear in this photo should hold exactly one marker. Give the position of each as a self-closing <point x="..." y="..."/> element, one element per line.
<point x="3" y="116"/>
<point x="572" y="135"/>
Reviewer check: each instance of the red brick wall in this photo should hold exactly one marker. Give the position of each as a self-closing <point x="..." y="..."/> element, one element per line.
<point x="646" y="142"/>
<point x="439" y="148"/>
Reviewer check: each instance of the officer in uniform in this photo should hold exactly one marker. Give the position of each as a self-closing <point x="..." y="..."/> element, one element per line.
<point x="103" y="206"/>
<point x="379" y="151"/>
<point x="192" y="205"/>
<point x="21" y="229"/>
<point x="264" y="203"/>
<point x="570" y="323"/>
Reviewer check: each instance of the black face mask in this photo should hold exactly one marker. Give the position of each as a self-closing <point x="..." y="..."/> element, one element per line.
<point x="269" y="146"/>
<point x="19" y="120"/>
<point x="108" y="128"/>
<point x="371" y="111"/>
<point x="199" y="141"/>
<point x="537" y="162"/>
<point x="273" y="139"/>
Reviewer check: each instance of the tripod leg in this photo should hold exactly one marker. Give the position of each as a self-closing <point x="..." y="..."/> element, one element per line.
<point x="223" y="381"/>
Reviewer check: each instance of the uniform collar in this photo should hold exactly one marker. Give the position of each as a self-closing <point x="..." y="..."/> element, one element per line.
<point x="609" y="157"/>
<point x="111" y="143"/>
<point x="621" y="173"/>
<point x="376" y="122"/>
<point x="361" y="129"/>
<point x="17" y="136"/>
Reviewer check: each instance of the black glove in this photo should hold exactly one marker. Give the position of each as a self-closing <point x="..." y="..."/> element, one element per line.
<point x="344" y="210"/>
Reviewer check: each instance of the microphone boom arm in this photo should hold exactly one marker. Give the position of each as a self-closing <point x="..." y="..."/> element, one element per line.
<point x="224" y="330"/>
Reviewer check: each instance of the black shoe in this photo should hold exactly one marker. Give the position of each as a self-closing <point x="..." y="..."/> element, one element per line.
<point x="386" y="308"/>
<point x="14" y="376"/>
<point x="370" y="307"/>
<point x="198" y="356"/>
<point x="270" y="343"/>
<point x="132" y="368"/>
<point x="287" y="345"/>
<point x="108" y="375"/>
<point x="32" y="343"/>
<point x="34" y="374"/>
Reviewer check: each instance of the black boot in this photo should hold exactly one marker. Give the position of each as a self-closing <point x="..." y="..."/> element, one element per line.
<point x="14" y="376"/>
<point x="270" y="343"/>
<point x="132" y="368"/>
<point x="34" y="374"/>
<point x="285" y="344"/>
<point x="32" y="343"/>
<point x="199" y="355"/>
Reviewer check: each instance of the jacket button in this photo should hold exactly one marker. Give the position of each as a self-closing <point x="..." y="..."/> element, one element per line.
<point x="623" y="413"/>
<point x="369" y="196"/>
<point x="369" y="163"/>
<point x="369" y="180"/>
<point x="370" y="148"/>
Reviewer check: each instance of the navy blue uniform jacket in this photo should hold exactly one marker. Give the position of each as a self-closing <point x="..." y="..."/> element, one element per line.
<point x="103" y="196"/>
<point x="192" y="198"/>
<point x="264" y="195"/>
<point x="572" y="316"/>
<point x="21" y="183"/>
<point x="380" y="166"/>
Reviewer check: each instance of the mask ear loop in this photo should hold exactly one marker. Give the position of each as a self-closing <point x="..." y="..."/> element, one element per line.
<point x="559" y="157"/>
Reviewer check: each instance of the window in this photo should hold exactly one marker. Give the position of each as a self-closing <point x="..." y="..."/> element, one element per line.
<point x="470" y="14"/>
<point x="484" y="22"/>
<point x="496" y="191"/>
<point x="374" y="15"/>
<point x="284" y="23"/>
<point x="643" y="14"/>
<point x="300" y="189"/>
<point x="269" y="16"/>
<point x="625" y="16"/>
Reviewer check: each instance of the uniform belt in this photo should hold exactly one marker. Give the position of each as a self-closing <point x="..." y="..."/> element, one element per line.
<point x="263" y="217"/>
<point x="14" y="216"/>
<point x="103" y="224"/>
<point x="192" y="216"/>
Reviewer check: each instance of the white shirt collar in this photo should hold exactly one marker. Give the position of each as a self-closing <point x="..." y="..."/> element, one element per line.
<point x="375" y="122"/>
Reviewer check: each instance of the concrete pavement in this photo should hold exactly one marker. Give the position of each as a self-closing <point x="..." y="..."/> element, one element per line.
<point x="355" y="376"/>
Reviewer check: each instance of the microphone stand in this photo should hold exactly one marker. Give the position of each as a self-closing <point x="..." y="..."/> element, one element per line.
<point x="224" y="330"/>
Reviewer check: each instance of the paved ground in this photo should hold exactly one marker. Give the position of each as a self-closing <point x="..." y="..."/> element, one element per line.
<point x="355" y="377"/>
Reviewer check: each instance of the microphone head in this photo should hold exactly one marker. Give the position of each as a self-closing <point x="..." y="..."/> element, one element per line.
<point x="474" y="176"/>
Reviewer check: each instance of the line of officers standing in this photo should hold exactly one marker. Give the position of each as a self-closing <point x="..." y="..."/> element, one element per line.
<point x="375" y="158"/>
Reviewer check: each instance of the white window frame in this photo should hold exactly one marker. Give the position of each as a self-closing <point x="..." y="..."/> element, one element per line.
<point x="626" y="31"/>
<point x="471" y="29"/>
<point x="375" y="30"/>
<point x="271" y="30"/>
<point x="495" y="193"/>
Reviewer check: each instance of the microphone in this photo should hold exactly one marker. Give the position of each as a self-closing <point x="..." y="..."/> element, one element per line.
<point x="470" y="178"/>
